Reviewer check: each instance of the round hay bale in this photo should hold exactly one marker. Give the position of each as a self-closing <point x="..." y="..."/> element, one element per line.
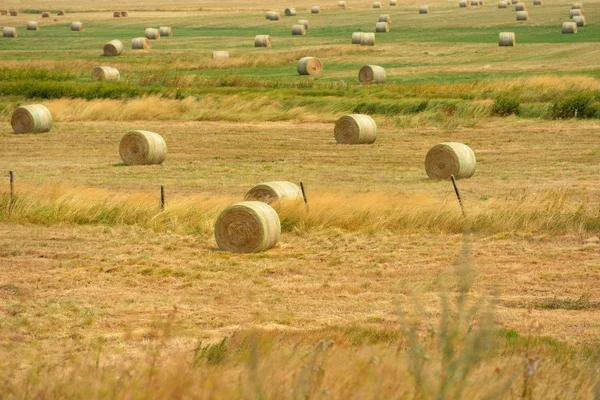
<point x="579" y="20"/>
<point x="9" y="32"/>
<point x="463" y="4"/>
<point x="520" y="7"/>
<point x="152" y="34"/>
<point x="480" y="2"/>
<point x="272" y="15"/>
<point x="220" y="55"/>
<point x="60" y="13"/>
<point x="113" y="48"/>
<point x="522" y="16"/>
<point x="3" y="12"/>
<point x="165" y="31"/>
<point x="45" y="15"/>
<point x="424" y="10"/>
<point x="298" y="30"/>
<point x="575" y="12"/>
<point x="577" y="6"/>
<point x="367" y="39"/>
<point x="376" y="4"/>
<point x="342" y="4"/>
<point x="262" y="41"/>
<point x="506" y="39"/>
<point x="371" y="74"/>
<point x="514" y="1"/>
<point x="247" y="227"/>
<point x="502" y="4"/>
<point x="393" y="3"/>
<point x="385" y="18"/>
<point x="357" y="37"/>
<point x="142" y="148"/>
<point x="304" y="22"/>
<point x="281" y="192"/>
<point x="117" y="14"/>
<point x="14" y="13"/>
<point x="569" y="27"/>
<point x="290" y="12"/>
<point x="537" y="2"/>
<point x="475" y="3"/>
<point x="309" y="66"/>
<point x="124" y="14"/>
<point x="140" y="43"/>
<point x="315" y="10"/>
<point x="77" y="27"/>
<point x="106" y="74"/>
<point x="33" y="26"/>
<point x="451" y="158"/>
<point x="34" y="118"/>
<point x="382" y="27"/>
<point x="355" y="129"/>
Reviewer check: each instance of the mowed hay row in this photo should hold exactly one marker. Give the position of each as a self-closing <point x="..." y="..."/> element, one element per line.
<point x="165" y="31"/>
<point x="35" y="118"/>
<point x="309" y="66"/>
<point x="142" y="148"/>
<point x="104" y="73"/>
<point x="276" y="193"/>
<point x="10" y="32"/>
<point x="382" y="27"/>
<point x="522" y="16"/>
<point x="355" y="129"/>
<point x="303" y="22"/>
<point x="298" y="30"/>
<point x="569" y="27"/>
<point x="33" y="26"/>
<point x="315" y="10"/>
<point x="520" y="7"/>
<point x="423" y="10"/>
<point x="152" y="34"/>
<point x="289" y="12"/>
<point x="385" y="18"/>
<point x="371" y="74"/>
<point x="113" y="48"/>
<point x="579" y="20"/>
<point x="506" y="39"/>
<point x="45" y="15"/>
<point x="262" y="41"/>
<point x="77" y="27"/>
<point x="247" y="227"/>
<point x="220" y="55"/>
<point x="574" y="13"/>
<point x="367" y="39"/>
<point x="451" y="158"/>
<point x="140" y="43"/>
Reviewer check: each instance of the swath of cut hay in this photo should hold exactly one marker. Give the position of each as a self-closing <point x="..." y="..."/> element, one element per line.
<point x="451" y="158"/>
<point x="382" y="27"/>
<point x="9" y="32"/>
<point x="355" y="129"/>
<point x="35" y="118"/>
<point x="371" y="74"/>
<point x="152" y="34"/>
<point x="142" y="148"/>
<point x="309" y="66"/>
<point x="165" y="31"/>
<point x="77" y="27"/>
<point x="33" y="26"/>
<point x="113" y="48"/>
<point x="303" y="22"/>
<point x="141" y="43"/>
<point x="247" y="227"/>
<point x="220" y="55"/>
<point x="289" y="12"/>
<point x="569" y="27"/>
<point x="506" y="39"/>
<point x="298" y="30"/>
<point x="262" y="41"/>
<point x="276" y="193"/>
<point x="104" y="73"/>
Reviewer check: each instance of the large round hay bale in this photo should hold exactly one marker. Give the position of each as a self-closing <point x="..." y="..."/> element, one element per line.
<point x="106" y="74"/>
<point x="520" y="7"/>
<point x="60" y="13"/>
<point x="342" y="4"/>
<point x="298" y="29"/>
<point x="474" y="3"/>
<point x="463" y="4"/>
<point x="281" y="192"/>
<point x="367" y="39"/>
<point x="117" y="14"/>
<point x="9" y="32"/>
<point x="262" y="41"/>
<point x="423" y="10"/>
<point x="152" y="34"/>
<point x="309" y="66"/>
<point x="45" y="15"/>
<point x="514" y="1"/>
<point x="356" y="37"/>
<point x="140" y="43"/>
<point x="574" y="13"/>
<point x="113" y="48"/>
<point x="290" y="12"/>
<point x="579" y="20"/>
<point x="220" y="55"/>
<point x="315" y="10"/>
<point x="247" y="227"/>
<point x="14" y="13"/>
<point x="522" y="16"/>
<point x="569" y="27"/>
<point x="376" y="4"/>
<point x="577" y="6"/>
<point x="506" y="39"/>
<point x="77" y="27"/>
<point x="537" y="2"/>
<point x="272" y="15"/>
<point x="304" y="22"/>
<point x="142" y="148"/>
<point x="34" y="118"/>
<point x="355" y="129"/>
<point x="165" y="31"/>
<point x="33" y="26"/>
<point x="393" y="3"/>
<point x="385" y="18"/>
<point x="124" y="14"/>
<point x="451" y="158"/>
<point x="502" y="4"/>
<point x="371" y="74"/>
<point x="382" y="27"/>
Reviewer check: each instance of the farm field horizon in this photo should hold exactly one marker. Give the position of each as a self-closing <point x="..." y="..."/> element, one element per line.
<point x="379" y="286"/>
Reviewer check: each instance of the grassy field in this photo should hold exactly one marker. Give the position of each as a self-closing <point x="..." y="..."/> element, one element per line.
<point x="382" y="289"/>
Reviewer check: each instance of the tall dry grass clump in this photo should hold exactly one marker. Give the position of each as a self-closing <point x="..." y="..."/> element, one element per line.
<point x="35" y="118"/>
<point x="113" y="48"/>
<point x="142" y="148"/>
<point x="14" y="13"/>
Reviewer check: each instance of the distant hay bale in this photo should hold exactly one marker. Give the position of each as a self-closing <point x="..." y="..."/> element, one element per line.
<point x="579" y="20"/>
<point x="577" y="6"/>
<point x="520" y="7"/>
<point x="220" y="55"/>
<point x="34" y="118"/>
<point x="341" y="4"/>
<point x="33" y="26"/>
<point x="152" y="34"/>
<point x="3" y="12"/>
<point x="280" y="192"/>
<point x="382" y="27"/>
<point x="474" y="3"/>
<point x="262" y="41"/>
<point x="537" y="2"/>
<point x="165" y="31"/>
<point x="393" y="3"/>
<point x="371" y="74"/>
<point x="298" y="29"/>
<point x="124" y="14"/>
<point x="506" y="39"/>
<point x="355" y="129"/>
<point x="77" y="27"/>
<point x="315" y="10"/>
<point x="385" y="18"/>
<point x="290" y="12"/>
<point x="376" y="4"/>
<point x="502" y="4"/>
<point x="9" y="32"/>
<point x="309" y="66"/>
<point x="480" y="2"/>
<point x="14" y="13"/>
<point x="522" y="16"/>
<point x="514" y="1"/>
<point x="272" y="15"/>
<point x="304" y="22"/>
<point x="113" y="48"/>
<point x="574" y="13"/>
<point x="140" y="43"/>
<point x="463" y="4"/>
<point x="424" y="10"/>
<point x="247" y="227"/>
<point x="60" y="13"/>
<point x="569" y="27"/>
<point x="45" y="15"/>
<point x="367" y="39"/>
<point x="142" y="148"/>
<point x="106" y="74"/>
<point x="357" y="37"/>
<point x="117" y="14"/>
<point x="451" y="158"/>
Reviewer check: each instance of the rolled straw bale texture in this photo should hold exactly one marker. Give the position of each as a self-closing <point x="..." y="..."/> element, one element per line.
<point x="14" y="13"/>
<point x="574" y="13"/>
<point x="124" y="14"/>
<point x="423" y="10"/>
<point x="577" y="6"/>
<point x="304" y="22"/>
<point x="152" y="34"/>
<point x="272" y="15"/>
<point x="367" y="39"/>
<point x="278" y="191"/>
<point x="106" y="74"/>
<point x="506" y="39"/>
<point x="514" y="1"/>
<point x="298" y="29"/>
<point x="45" y="15"/>
<point x="140" y="43"/>
<point x="60" y="12"/>
<point x="502" y="4"/>
<point x="463" y="4"/>
<point x="451" y="158"/>
<point x="569" y="27"/>
<point x="522" y="16"/>
<point x="357" y="37"/>
<point x="355" y="129"/>
<point x="9" y="32"/>
<point x="382" y="27"/>
<point x="309" y="66"/>
<point x="341" y="4"/>
<point x="3" y="12"/>
<point x="376" y="4"/>
<point x="520" y="7"/>
<point x="77" y="27"/>
<point x="475" y="2"/>
<point x="290" y="12"/>
<point x="371" y="74"/>
<point x="220" y="55"/>
<point x="247" y="227"/>
<point x="165" y="31"/>
<point x="385" y="18"/>
<point x="315" y="10"/>
<point x="579" y="20"/>
<point x="393" y="3"/>
<point x="33" y="26"/>
<point x="142" y="148"/>
<point x="117" y="14"/>
<point x="262" y="41"/>
<point x="113" y="48"/>
<point x="34" y="118"/>
<point x="480" y="2"/>
<point x="537" y="2"/>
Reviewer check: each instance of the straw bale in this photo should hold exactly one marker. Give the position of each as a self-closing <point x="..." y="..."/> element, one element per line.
<point x="367" y="39"/>
<point x="10" y="32"/>
<point x="33" y="26"/>
<point x="315" y="10"/>
<point x="579" y="20"/>
<point x="34" y="118"/>
<point x="569" y="27"/>
<point x="140" y="43"/>
<point x="298" y="29"/>
<point x="77" y="27"/>
<point x="290" y="12"/>
<point x="152" y="34"/>
<point x="385" y="18"/>
<point x="506" y="39"/>
<point x="371" y="74"/>
<point x="522" y="16"/>
<point x="220" y="55"/>
<point x="113" y="48"/>
<point x="304" y="22"/>
<point x="451" y="158"/>
<point x="276" y="193"/>
<point x="309" y="66"/>
<point x="424" y="10"/>
<point x="262" y="41"/>
<point x="142" y="148"/>
<point x="104" y="73"/>
<point x="355" y="129"/>
<point x="165" y="31"/>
